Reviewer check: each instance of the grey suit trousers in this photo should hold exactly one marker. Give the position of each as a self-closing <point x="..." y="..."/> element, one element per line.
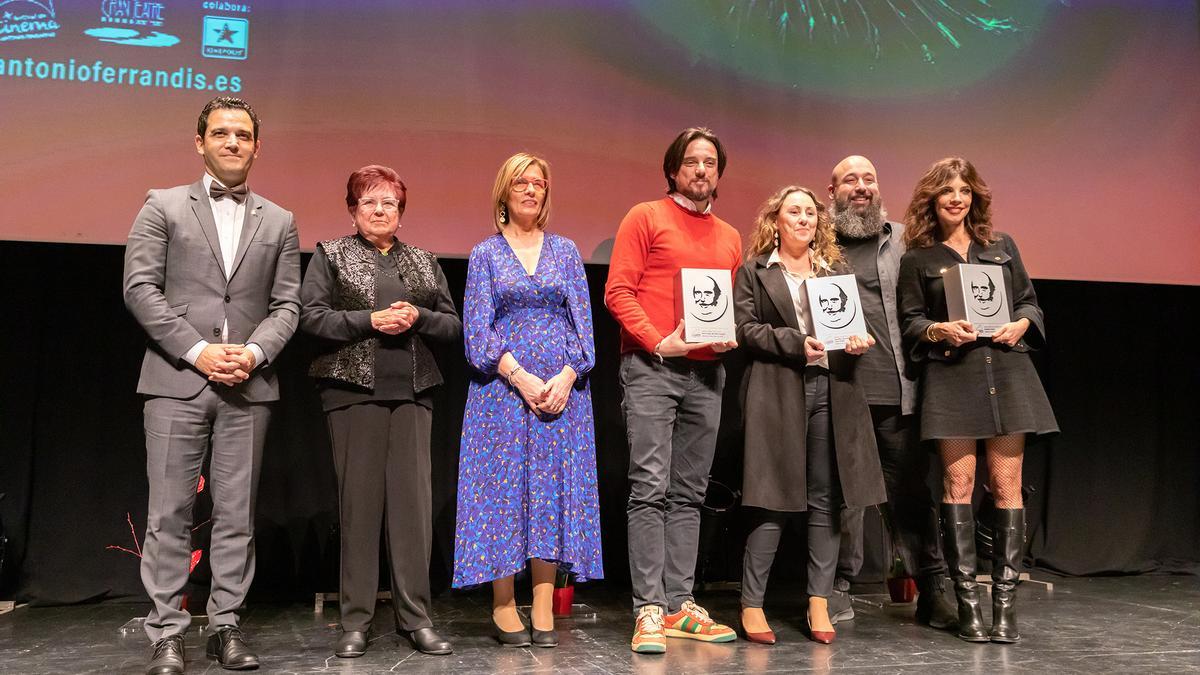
<point x="178" y="434"/>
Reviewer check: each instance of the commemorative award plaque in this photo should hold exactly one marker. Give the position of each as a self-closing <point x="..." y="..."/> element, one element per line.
<point x="976" y="293"/>
<point x="835" y="309"/>
<point x="704" y="300"/>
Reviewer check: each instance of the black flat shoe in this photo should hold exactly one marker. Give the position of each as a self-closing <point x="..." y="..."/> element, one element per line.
<point x="167" y="658"/>
<point x="516" y="638"/>
<point x="427" y="641"/>
<point x="544" y="638"/>
<point x="351" y="645"/>
<point x="228" y="647"/>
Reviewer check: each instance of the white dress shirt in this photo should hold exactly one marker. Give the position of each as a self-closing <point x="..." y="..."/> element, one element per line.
<point x="795" y="284"/>
<point x="228" y="215"/>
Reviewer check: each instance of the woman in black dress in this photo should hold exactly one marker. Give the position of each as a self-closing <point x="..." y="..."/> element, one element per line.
<point x="972" y="387"/>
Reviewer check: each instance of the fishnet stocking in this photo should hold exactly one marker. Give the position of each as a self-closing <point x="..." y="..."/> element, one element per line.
<point x="958" y="469"/>
<point x="1004" y="458"/>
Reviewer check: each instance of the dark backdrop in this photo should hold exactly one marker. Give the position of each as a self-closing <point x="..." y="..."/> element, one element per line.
<point x="1116" y="492"/>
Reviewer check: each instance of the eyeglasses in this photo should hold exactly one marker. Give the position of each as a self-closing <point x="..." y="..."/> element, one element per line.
<point x="369" y="204"/>
<point x="522" y="184"/>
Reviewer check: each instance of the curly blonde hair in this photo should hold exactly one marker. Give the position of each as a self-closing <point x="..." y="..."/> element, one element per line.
<point x="921" y="228"/>
<point x="765" y="236"/>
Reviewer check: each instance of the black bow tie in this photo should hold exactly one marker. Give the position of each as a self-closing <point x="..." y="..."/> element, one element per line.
<point x="219" y="192"/>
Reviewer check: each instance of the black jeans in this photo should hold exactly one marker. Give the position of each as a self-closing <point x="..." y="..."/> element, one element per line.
<point x="910" y="506"/>
<point x="824" y="503"/>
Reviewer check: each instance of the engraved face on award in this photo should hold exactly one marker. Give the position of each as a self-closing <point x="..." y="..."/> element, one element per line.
<point x="975" y="293"/>
<point x="703" y="300"/>
<point x="710" y="303"/>
<point x="834" y="304"/>
<point x="983" y="292"/>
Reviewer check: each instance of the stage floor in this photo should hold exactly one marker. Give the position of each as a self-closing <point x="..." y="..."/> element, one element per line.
<point x="1114" y="624"/>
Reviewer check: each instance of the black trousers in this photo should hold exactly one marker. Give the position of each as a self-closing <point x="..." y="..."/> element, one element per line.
<point x="381" y="455"/>
<point x="910" y="506"/>
<point x="824" y="490"/>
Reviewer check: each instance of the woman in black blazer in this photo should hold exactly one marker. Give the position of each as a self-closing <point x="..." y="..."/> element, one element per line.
<point x="972" y="387"/>
<point x="809" y="444"/>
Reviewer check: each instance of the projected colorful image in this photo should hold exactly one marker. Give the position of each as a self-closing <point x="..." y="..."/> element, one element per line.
<point x="1081" y="116"/>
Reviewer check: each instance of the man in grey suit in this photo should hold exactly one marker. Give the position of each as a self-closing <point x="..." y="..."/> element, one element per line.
<point x="212" y="273"/>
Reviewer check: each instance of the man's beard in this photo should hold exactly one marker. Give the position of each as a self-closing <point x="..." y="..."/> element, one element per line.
<point x="702" y="195"/>
<point x="850" y="224"/>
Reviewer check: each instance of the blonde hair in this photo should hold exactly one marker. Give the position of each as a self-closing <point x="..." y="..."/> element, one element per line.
<point x="765" y="236"/>
<point x="510" y="170"/>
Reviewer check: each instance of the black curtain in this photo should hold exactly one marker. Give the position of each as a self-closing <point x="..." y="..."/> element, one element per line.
<point x="1116" y="492"/>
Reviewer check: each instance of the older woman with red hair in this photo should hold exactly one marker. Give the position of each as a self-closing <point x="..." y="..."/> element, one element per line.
<point x="374" y="302"/>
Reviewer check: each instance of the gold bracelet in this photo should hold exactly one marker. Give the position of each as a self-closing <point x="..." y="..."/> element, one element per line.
<point x="512" y="372"/>
<point x="929" y="332"/>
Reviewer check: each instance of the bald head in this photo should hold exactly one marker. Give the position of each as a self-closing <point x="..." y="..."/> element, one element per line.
<point x="857" y="206"/>
<point x="854" y="165"/>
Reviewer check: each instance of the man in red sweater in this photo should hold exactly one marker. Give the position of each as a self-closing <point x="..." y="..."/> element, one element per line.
<point x="672" y="388"/>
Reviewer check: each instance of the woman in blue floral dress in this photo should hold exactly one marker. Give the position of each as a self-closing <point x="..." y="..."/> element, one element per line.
<point x="527" y="466"/>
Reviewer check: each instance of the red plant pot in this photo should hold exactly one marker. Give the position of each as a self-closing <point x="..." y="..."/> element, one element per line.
<point x="902" y="589"/>
<point x="563" y="599"/>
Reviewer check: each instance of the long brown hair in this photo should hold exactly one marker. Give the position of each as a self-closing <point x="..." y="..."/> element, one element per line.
<point x="764" y="239"/>
<point x="921" y="227"/>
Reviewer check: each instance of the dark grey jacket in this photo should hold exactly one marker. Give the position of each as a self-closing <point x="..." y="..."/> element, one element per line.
<point x="176" y="288"/>
<point x="776" y="427"/>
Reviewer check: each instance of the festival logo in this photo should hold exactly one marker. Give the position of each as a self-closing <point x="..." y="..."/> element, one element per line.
<point x="986" y="297"/>
<point x="225" y="37"/>
<point x="130" y="23"/>
<point x="27" y="20"/>
<point x="835" y="309"/>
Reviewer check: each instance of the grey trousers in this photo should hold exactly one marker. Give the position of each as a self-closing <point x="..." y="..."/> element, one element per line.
<point x="672" y="412"/>
<point x="381" y="456"/>
<point x="824" y="503"/>
<point x="177" y="439"/>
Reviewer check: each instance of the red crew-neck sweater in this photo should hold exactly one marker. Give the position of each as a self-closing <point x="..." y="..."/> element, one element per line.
<point x="654" y="241"/>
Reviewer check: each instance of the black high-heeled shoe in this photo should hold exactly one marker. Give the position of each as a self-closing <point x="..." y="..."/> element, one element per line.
<point x="544" y="638"/>
<point x="516" y="638"/>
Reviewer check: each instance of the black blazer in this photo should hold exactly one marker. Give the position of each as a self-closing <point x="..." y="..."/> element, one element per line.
<point x="922" y="298"/>
<point x="773" y="405"/>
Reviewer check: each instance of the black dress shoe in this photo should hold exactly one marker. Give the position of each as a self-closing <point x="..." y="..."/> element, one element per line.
<point x="427" y="641"/>
<point x="352" y="644"/>
<point x="167" y="658"/>
<point x="516" y="638"/>
<point x="544" y="638"/>
<point x="934" y="607"/>
<point x="229" y="648"/>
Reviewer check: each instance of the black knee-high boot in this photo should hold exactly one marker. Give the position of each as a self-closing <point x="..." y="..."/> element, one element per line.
<point x="958" y="538"/>
<point x="1009" y="540"/>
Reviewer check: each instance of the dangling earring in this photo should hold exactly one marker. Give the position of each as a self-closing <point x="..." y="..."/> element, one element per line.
<point x="503" y="214"/>
<point x="776" y="238"/>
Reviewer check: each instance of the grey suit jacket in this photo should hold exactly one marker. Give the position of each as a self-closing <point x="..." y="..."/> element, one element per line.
<point x="176" y="288"/>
